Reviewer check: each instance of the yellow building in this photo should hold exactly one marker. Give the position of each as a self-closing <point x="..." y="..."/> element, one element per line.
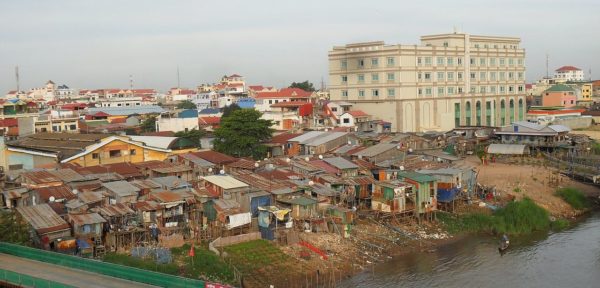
<point x="586" y="92"/>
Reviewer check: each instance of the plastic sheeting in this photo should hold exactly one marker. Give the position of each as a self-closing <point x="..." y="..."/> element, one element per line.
<point x="237" y="220"/>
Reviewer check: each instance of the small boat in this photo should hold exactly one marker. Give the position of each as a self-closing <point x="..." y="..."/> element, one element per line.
<point x="503" y="244"/>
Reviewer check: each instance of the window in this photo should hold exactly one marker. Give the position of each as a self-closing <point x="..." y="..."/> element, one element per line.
<point x="482" y="76"/>
<point x="344" y="94"/>
<point x="361" y="78"/>
<point x="473" y="89"/>
<point x="427" y="76"/>
<point x="420" y="91"/>
<point x="440" y="76"/>
<point x="346" y="120"/>
<point x="419" y="76"/>
<point x="502" y="62"/>
<point x="114" y="153"/>
<point x="73" y="127"/>
<point x="450" y="61"/>
<point x="374" y="77"/>
<point x="344" y="64"/>
<point x="361" y="93"/>
<point x="481" y="89"/>
<point x="511" y="62"/>
<point x="427" y="61"/>
<point x="511" y="75"/>
<point x="459" y="61"/>
<point x="520" y="75"/>
<point x="482" y="61"/>
<point x="459" y="74"/>
<point x="374" y="62"/>
<point x="132" y="152"/>
<point x="492" y="61"/>
<point x="502" y="76"/>
<point x="492" y="89"/>
<point x="344" y="78"/>
<point x="390" y="61"/>
<point x="450" y="90"/>
<point x="445" y="43"/>
<point x="440" y="61"/>
<point x="511" y="89"/>
<point x="419" y="62"/>
<point x="493" y="76"/>
<point x="391" y="92"/>
<point x="460" y="90"/>
<point x="391" y="76"/>
<point x="95" y="155"/>
<point x="502" y="89"/>
<point x="428" y="91"/>
<point x="440" y="91"/>
<point x="450" y="76"/>
<point x="472" y="61"/>
<point x="361" y="63"/>
<point x="520" y="61"/>
<point x="375" y="92"/>
<point x="472" y="75"/>
<point x="520" y="88"/>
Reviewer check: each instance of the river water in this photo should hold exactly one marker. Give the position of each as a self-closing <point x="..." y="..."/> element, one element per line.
<point x="570" y="258"/>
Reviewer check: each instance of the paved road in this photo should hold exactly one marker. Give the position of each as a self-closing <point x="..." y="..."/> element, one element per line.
<point x="62" y="274"/>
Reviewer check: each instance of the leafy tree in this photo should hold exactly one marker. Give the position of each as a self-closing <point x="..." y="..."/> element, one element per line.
<point x="306" y="86"/>
<point x="229" y="109"/>
<point x="241" y="133"/>
<point x="13" y="229"/>
<point x="193" y="135"/>
<point x="186" y="104"/>
<point x="149" y="125"/>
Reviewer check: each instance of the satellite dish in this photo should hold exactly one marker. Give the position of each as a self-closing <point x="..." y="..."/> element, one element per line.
<point x="75" y="191"/>
<point x="222" y="172"/>
<point x="410" y="150"/>
<point x="321" y="157"/>
<point x="288" y="160"/>
<point x="52" y="199"/>
<point x="311" y="183"/>
<point x="398" y="147"/>
<point x="210" y="170"/>
<point x="256" y="164"/>
<point x="401" y="168"/>
<point x="349" y="142"/>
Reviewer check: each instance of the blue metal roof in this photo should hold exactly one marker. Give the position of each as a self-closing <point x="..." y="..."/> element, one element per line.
<point x="190" y="113"/>
<point x="209" y="111"/>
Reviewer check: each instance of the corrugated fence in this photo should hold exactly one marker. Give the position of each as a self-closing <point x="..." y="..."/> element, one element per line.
<point x="24" y="280"/>
<point x="95" y="266"/>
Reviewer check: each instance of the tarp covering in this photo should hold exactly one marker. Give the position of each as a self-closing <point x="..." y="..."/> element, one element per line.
<point x="447" y="195"/>
<point x="507" y="149"/>
<point x="237" y="220"/>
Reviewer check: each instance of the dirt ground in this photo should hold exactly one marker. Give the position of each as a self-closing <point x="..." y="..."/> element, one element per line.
<point x="533" y="181"/>
<point x="594" y="134"/>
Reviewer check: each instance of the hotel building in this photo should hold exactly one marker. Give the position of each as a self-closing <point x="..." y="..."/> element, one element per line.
<point x="449" y="80"/>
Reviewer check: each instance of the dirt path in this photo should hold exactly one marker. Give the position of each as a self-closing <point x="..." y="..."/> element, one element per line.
<point x="530" y="181"/>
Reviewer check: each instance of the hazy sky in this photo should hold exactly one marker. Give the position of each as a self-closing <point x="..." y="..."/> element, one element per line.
<point x="98" y="44"/>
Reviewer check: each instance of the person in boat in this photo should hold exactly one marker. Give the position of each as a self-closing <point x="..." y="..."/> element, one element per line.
<point x="505" y="239"/>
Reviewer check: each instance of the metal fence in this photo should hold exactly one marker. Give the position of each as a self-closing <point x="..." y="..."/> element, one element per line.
<point x="24" y="280"/>
<point x="95" y="266"/>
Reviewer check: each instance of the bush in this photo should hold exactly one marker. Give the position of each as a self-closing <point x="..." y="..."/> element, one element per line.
<point x="559" y="224"/>
<point x="574" y="197"/>
<point x="146" y="264"/>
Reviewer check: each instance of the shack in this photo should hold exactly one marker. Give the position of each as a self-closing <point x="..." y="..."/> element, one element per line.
<point x="48" y="228"/>
<point x="391" y="196"/>
<point x="121" y="192"/>
<point x="225" y="186"/>
<point x="425" y="188"/>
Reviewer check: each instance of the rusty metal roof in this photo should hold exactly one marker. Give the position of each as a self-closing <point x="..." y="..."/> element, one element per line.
<point x="43" y="218"/>
<point x="145" y="184"/>
<point x="242" y="164"/>
<point x="215" y="157"/>
<point x="121" y="188"/>
<point x="58" y="192"/>
<point x="361" y="180"/>
<point x="166" y="197"/>
<point x="86" y="218"/>
<point x="146" y="205"/>
<point x="90" y="197"/>
<point x="63" y="144"/>
<point x="172" y="169"/>
<point x="115" y="210"/>
<point x="40" y="177"/>
<point x="67" y="175"/>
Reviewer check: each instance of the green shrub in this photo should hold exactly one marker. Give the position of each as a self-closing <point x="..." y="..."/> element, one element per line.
<point x="574" y="197"/>
<point x="146" y="264"/>
<point x="559" y="224"/>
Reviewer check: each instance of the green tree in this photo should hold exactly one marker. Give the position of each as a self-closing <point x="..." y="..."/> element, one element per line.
<point x="241" y="134"/>
<point x="186" y="104"/>
<point x="193" y="135"/>
<point x="149" y="125"/>
<point x="13" y="229"/>
<point x="306" y="86"/>
<point x="229" y="109"/>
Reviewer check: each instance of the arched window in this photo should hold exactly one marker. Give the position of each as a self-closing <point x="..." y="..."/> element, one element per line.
<point x="511" y="110"/>
<point x="521" y="110"/>
<point x="468" y="113"/>
<point x="502" y="112"/>
<point x="478" y="113"/>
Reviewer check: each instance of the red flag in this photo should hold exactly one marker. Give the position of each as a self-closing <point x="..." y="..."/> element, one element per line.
<point x="192" y="252"/>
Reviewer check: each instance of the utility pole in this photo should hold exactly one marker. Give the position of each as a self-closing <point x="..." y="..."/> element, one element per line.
<point x="178" y="84"/>
<point x="547" y="60"/>
<point x="131" y="81"/>
<point x="17" y="77"/>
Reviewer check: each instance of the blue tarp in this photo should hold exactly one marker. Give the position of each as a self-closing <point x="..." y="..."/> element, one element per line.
<point x="82" y="244"/>
<point x="446" y="195"/>
<point x="255" y="202"/>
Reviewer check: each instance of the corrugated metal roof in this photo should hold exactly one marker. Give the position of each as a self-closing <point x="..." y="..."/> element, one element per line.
<point x="329" y="136"/>
<point x="145" y="184"/>
<point x="121" y="188"/>
<point x="171" y="182"/>
<point x="225" y="181"/>
<point x="507" y="149"/>
<point x="67" y="175"/>
<point x="223" y="204"/>
<point x="146" y="205"/>
<point x="416" y="176"/>
<point x="90" y="197"/>
<point x="340" y="163"/>
<point x="119" y="111"/>
<point x="58" y="192"/>
<point x="172" y="169"/>
<point x="86" y="218"/>
<point x="306" y="136"/>
<point x="118" y="209"/>
<point x="196" y="160"/>
<point x="42" y="218"/>
<point x="166" y="197"/>
<point x="155" y="141"/>
<point x="39" y="177"/>
<point x="375" y="150"/>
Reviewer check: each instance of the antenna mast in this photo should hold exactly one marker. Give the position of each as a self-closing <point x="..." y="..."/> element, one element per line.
<point x="547" y="59"/>
<point x="130" y="81"/>
<point x="17" y="77"/>
<point x="178" y="84"/>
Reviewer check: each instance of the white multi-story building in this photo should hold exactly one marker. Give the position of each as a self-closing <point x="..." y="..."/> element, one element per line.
<point x="448" y="80"/>
<point x="568" y="73"/>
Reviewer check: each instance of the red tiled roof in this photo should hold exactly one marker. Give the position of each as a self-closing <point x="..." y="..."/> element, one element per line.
<point x="358" y="113"/>
<point x="215" y="157"/>
<point x="289" y="104"/>
<point x="256" y="87"/>
<point x="285" y="93"/>
<point x="554" y="112"/>
<point x="10" y="122"/>
<point x="567" y="68"/>
<point x="73" y="106"/>
<point x="100" y="114"/>
<point x="209" y="120"/>
<point x="118" y="120"/>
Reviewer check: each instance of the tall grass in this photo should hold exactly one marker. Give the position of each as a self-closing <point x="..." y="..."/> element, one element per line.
<point x="574" y="197"/>
<point x="145" y="264"/>
<point x="517" y="217"/>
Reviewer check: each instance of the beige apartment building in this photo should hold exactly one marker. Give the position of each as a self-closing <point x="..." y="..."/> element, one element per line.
<point x="448" y="80"/>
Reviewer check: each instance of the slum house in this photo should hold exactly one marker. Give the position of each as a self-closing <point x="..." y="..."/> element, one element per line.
<point x="534" y="135"/>
<point x="86" y="200"/>
<point x="324" y="143"/>
<point x="264" y="183"/>
<point x="241" y="164"/>
<point x="380" y="152"/>
<point x="425" y="188"/>
<point x="344" y="167"/>
<point x="278" y="144"/>
<point x="393" y="196"/>
<point x="440" y="156"/>
<point x="219" y="159"/>
<point x="303" y="207"/>
<point x="88" y="228"/>
<point x="228" y="215"/>
<point x="172" y="183"/>
<point x="38" y="179"/>
<point x="200" y="167"/>
<point x="450" y="182"/>
<point x="59" y="194"/>
<point x="365" y="167"/>
<point x="341" y="218"/>
<point x="358" y="191"/>
<point x="151" y="169"/>
<point x="324" y="194"/>
<point x="271" y="219"/>
<point x="174" y="206"/>
<point x="121" y="192"/>
<point x="118" y="216"/>
<point x="226" y="187"/>
<point x="148" y="211"/>
<point x="295" y="145"/>
<point x="17" y="197"/>
<point x="304" y="167"/>
<point x="146" y="186"/>
<point x="48" y="227"/>
<point x="126" y="171"/>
